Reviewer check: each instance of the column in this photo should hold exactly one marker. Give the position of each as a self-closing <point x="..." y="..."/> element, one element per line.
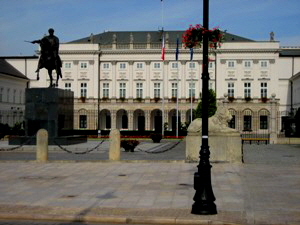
<point x="130" y="119"/>
<point x="147" y="119"/>
<point x="183" y="116"/>
<point x="113" y="115"/>
<point x="273" y="118"/>
<point x="131" y="86"/>
<point x="114" y="87"/>
<point x="166" y="118"/>
<point x="165" y="79"/>
<point x="183" y="81"/>
<point x="148" y="81"/>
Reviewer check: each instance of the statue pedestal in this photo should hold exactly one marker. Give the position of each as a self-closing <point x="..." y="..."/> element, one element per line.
<point x="224" y="147"/>
<point x="51" y="109"/>
<point x="48" y="108"/>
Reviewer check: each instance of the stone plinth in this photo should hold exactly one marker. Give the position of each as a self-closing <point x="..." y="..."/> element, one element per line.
<point x="224" y="147"/>
<point x="50" y="109"/>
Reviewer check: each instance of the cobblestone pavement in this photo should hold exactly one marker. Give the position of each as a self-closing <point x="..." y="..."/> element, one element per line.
<point x="263" y="190"/>
<point x="146" y="150"/>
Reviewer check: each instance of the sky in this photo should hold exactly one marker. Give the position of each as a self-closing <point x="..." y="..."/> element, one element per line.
<point x="27" y="20"/>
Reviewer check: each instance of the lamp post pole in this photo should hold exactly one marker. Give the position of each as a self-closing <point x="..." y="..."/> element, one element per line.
<point x="204" y="197"/>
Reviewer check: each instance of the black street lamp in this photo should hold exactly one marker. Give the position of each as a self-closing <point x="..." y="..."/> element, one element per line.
<point x="204" y="197"/>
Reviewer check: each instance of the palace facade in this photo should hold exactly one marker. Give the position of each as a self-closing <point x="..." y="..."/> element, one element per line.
<point x="119" y="81"/>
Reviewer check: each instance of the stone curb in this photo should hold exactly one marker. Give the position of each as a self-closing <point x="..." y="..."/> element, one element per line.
<point x="110" y="219"/>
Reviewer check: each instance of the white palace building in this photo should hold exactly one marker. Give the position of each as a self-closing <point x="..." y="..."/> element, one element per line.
<point x="120" y="77"/>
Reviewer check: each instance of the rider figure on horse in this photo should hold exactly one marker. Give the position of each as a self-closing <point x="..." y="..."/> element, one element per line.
<point x="49" y="58"/>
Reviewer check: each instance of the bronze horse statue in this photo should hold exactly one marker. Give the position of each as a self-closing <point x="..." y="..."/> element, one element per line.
<point x="49" y="58"/>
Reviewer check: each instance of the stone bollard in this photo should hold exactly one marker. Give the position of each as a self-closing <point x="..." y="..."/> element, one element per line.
<point x="42" y="145"/>
<point x="114" y="145"/>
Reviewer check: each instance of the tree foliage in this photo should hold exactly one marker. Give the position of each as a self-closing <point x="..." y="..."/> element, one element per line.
<point x="212" y="105"/>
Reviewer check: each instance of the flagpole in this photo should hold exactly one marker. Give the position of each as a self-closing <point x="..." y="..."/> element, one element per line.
<point x="163" y="67"/>
<point x="192" y="82"/>
<point x="177" y="102"/>
<point x="163" y="99"/>
<point x="192" y="79"/>
<point x="177" y="91"/>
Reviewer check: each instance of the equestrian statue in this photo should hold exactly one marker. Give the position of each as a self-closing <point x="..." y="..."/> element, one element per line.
<point x="49" y="58"/>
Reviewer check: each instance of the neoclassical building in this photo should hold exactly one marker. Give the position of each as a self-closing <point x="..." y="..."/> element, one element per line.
<point x="12" y="89"/>
<point x="120" y="81"/>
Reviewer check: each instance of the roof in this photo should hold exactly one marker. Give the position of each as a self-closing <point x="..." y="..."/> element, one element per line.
<point x="142" y="36"/>
<point x="289" y="52"/>
<point x="8" y="69"/>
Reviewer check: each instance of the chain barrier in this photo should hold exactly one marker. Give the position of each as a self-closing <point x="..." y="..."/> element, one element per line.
<point x="77" y="153"/>
<point x="161" y="151"/>
<point x="17" y="147"/>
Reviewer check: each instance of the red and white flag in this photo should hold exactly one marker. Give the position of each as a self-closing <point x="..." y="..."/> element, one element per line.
<point x="163" y="48"/>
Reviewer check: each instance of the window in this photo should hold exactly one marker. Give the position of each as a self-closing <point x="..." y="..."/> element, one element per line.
<point x="231" y="123"/>
<point x="20" y="96"/>
<point x="83" y="90"/>
<point x="8" y="93"/>
<point x="264" y="64"/>
<point x="230" y="89"/>
<point x="210" y="65"/>
<point x="106" y="66"/>
<point x="156" y="65"/>
<point x="191" y="90"/>
<point x="156" y="90"/>
<point x="83" y="65"/>
<point x="263" y="90"/>
<point x="263" y="122"/>
<point x="230" y="64"/>
<point x="247" y="90"/>
<point x="192" y="65"/>
<point x="82" y="121"/>
<point x="68" y="86"/>
<point x="247" y="123"/>
<point x="174" y="65"/>
<point x="1" y="94"/>
<point x="14" y="96"/>
<point x="122" y="66"/>
<point x="122" y="90"/>
<point x="68" y="65"/>
<point x="139" y="65"/>
<point x="174" y="90"/>
<point x="139" y="90"/>
<point x="105" y="90"/>
<point x="247" y="64"/>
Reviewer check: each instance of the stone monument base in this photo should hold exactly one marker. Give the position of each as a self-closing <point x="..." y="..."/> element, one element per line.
<point x="224" y="147"/>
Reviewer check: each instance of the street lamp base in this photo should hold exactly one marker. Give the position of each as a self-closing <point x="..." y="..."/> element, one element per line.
<point x="204" y="208"/>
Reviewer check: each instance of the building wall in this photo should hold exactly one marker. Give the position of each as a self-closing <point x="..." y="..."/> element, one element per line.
<point x="12" y="98"/>
<point x="96" y="65"/>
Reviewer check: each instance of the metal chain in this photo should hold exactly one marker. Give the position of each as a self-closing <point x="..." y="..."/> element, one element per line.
<point x="162" y="151"/>
<point x="78" y="153"/>
<point x="17" y="147"/>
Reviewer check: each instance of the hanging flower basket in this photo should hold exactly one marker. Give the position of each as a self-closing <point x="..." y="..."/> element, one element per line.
<point x="194" y="37"/>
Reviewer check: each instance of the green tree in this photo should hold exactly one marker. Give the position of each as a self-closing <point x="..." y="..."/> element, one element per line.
<point x="212" y="105"/>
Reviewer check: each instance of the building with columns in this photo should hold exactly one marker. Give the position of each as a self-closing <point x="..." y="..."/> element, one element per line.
<point x="119" y="81"/>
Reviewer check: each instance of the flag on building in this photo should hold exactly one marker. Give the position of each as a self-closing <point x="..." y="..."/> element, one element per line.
<point x="163" y="48"/>
<point x="192" y="53"/>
